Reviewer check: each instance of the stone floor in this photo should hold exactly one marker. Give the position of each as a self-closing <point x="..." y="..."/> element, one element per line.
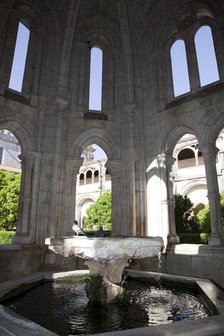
<point x="12" y="324"/>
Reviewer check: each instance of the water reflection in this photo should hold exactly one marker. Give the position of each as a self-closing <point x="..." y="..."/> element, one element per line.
<point x="64" y="308"/>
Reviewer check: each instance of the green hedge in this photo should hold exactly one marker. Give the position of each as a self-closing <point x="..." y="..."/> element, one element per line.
<point x="194" y="238"/>
<point x="91" y="232"/>
<point x="6" y="236"/>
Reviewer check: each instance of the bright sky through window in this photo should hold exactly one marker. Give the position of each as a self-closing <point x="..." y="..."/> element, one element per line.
<point x="205" y="54"/>
<point x="207" y="64"/>
<point x="181" y="82"/>
<point x="96" y="74"/>
<point x="19" y="59"/>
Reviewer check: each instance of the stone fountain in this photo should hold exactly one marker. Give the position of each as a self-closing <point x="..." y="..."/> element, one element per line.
<point x="106" y="259"/>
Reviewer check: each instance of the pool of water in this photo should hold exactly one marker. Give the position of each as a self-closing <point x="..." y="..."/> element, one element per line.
<point x="63" y="307"/>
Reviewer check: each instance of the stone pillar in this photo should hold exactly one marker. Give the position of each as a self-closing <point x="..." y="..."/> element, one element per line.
<point x="209" y="155"/>
<point x="172" y="237"/>
<point x="118" y="227"/>
<point x="140" y="192"/>
<point x="27" y="217"/>
<point x="54" y="212"/>
<point x="167" y="200"/>
<point x="128" y="170"/>
<point x="71" y="171"/>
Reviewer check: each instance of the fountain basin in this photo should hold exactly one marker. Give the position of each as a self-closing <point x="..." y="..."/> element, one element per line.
<point x="211" y="326"/>
<point x="107" y="256"/>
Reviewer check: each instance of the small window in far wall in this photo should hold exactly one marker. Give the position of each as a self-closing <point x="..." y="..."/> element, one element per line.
<point x="95" y="82"/>
<point x="19" y="58"/>
<point x="181" y="83"/>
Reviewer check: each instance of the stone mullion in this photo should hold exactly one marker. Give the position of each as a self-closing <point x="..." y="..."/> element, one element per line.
<point x="192" y="64"/>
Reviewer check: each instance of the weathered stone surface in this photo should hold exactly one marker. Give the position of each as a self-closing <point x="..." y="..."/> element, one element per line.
<point x="107" y="256"/>
<point x="100" y="290"/>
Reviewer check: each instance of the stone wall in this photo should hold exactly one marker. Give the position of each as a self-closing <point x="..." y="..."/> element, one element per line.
<point x="196" y="261"/>
<point x="18" y="260"/>
<point x="191" y="260"/>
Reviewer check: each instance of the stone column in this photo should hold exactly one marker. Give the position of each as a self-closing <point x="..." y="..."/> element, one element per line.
<point x="118" y="227"/>
<point x="71" y="171"/>
<point x="167" y="200"/>
<point x="128" y="170"/>
<point x="172" y="237"/>
<point x="140" y="198"/>
<point x="25" y="230"/>
<point x="209" y="155"/>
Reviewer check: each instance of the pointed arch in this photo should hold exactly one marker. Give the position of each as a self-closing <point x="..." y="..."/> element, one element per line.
<point x="99" y="137"/>
<point x="21" y="133"/>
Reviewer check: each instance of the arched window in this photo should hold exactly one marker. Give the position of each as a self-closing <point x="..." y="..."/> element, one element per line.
<point x="179" y="66"/>
<point x="96" y="76"/>
<point x="108" y="177"/>
<point x="81" y="179"/>
<point x="19" y="58"/>
<point x="89" y="175"/>
<point x="205" y="51"/>
<point x="186" y="158"/>
<point x="96" y="176"/>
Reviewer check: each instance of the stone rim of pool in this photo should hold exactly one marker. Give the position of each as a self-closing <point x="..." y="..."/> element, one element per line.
<point x="12" y="324"/>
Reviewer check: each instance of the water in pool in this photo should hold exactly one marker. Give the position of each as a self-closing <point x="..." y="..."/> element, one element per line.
<point x="63" y="307"/>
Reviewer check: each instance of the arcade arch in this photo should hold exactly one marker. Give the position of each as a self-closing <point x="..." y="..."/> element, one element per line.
<point x="10" y="165"/>
<point x="20" y="154"/>
<point x="92" y="180"/>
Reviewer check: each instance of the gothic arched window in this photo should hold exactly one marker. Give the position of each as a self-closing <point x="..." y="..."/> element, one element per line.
<point x="186" y="158"/>
<point x="96" y="176"/>
<point x="19" y="58"/>
<point x="206" y="57"/>
<point x="89" y="175"/>
<point x="81" y="179"/>
<point x="179" y="67"/>
<point x="96" y="77"/>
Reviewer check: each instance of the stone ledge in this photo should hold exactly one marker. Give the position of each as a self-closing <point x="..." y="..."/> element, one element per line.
<point x="14" y="95"/>
<point x="12" y="324"/>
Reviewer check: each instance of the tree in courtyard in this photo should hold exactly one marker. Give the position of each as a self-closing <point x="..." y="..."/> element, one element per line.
<point x="185" y="222"/>
<point x="9" y="199"/>
<point x="100" y="213"/>
<point x="203" y="216"/>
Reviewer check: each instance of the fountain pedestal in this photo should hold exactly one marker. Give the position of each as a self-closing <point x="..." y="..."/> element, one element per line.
<point x="108" y="256"/>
